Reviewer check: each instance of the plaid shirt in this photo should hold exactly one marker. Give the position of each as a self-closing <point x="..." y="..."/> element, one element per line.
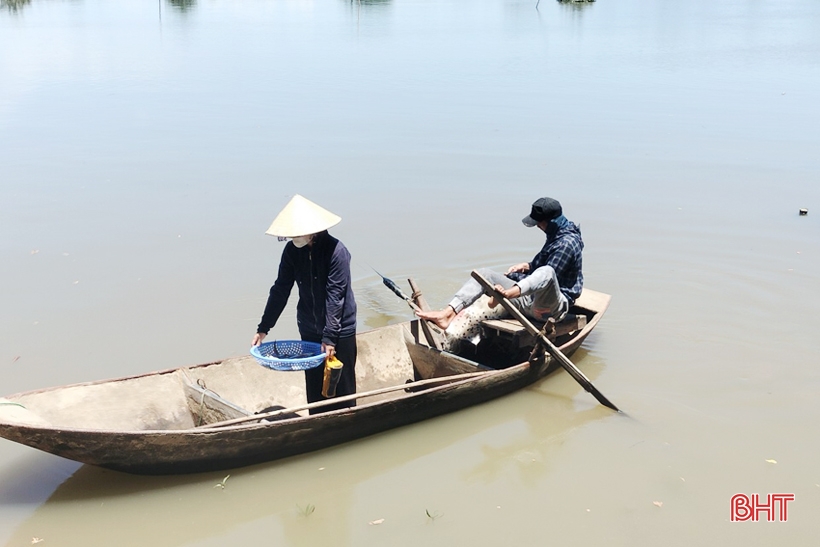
<point x="562" y="251"/>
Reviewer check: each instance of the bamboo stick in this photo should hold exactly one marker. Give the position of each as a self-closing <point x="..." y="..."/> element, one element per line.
<point x="335" y="400"/>
<point x="421" y="302"/>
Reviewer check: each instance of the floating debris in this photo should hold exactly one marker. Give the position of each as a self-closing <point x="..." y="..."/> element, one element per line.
<point x="222" y="484"/>
<point x="657" y="503"/>
<point x="804" y="212"/>
<point x="375" y="522"/>
<point x="771" y="461"/>
<point x="35" y="541"/>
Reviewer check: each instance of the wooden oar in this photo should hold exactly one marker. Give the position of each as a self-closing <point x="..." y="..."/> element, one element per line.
<point x="397" y="291"/>
<point x="421" y="302"/>
<point x="431" y="339"/>
<point x="549" y="346"/>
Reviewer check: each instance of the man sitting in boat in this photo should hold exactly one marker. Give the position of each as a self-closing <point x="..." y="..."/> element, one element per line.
<point x="326" y="313"/>
<point x="543" y="288"/>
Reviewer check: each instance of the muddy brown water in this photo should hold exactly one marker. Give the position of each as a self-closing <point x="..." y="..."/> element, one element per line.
<point x="146" y="147"/>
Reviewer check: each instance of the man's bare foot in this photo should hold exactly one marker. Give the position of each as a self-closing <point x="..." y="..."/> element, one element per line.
<point x="440" y="318"/>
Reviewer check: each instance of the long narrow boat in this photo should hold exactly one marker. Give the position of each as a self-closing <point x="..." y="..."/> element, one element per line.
<point x="233" y="412"/>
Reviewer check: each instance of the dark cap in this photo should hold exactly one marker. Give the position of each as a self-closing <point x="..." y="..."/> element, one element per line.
<point x="542" y="209"/>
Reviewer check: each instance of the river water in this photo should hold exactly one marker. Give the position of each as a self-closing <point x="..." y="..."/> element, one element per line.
<point x="145" y="147"/>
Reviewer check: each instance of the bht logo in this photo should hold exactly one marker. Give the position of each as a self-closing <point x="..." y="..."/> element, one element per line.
<point x="775" y="508"/>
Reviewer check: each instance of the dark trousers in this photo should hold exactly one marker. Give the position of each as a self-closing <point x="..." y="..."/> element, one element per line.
<point x="314" y="377"/>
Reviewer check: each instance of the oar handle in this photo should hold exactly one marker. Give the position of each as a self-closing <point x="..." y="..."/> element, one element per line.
<point x="550" y="347"/>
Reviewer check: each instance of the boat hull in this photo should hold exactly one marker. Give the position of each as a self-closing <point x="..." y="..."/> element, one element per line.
<point x="199" y="449"/>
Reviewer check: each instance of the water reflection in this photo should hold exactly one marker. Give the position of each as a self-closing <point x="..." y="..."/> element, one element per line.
<point x="576" y="4"/>
<point x="183" y="5"/>
<point x="273" y="498"/>
<point x="573" y="4"/>
<point x="371" y="2"/>
<point x="13" y="6"/>
<point x="33" y="481"/>
<point x="532" y="452"/>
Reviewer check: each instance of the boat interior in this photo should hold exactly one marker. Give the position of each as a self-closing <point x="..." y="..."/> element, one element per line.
<point x="392" y="361"/>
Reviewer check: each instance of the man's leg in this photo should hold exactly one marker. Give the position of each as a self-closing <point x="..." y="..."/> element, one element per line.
<point x="466" y="296"/>
<point x="547" y="298"/>
<point x="472" y="290"/>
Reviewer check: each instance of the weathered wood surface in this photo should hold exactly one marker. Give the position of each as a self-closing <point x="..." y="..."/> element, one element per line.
<point x="207" y="406"/>
<point x="172" y="444"/>
<point x="433" y="336"/>
<point x="189" y="451"/>
<point x="513" y="330"/>
<point x="569" y="324"/>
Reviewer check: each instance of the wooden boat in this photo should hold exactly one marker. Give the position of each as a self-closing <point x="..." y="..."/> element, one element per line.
<point x="234" y="412"/>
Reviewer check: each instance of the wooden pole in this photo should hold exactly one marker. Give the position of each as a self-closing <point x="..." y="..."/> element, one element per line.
<point x="419" y="300"/>
<point x="351" y="397"/>
<point x="398" y="292"/>
<point x="549" y="346"/>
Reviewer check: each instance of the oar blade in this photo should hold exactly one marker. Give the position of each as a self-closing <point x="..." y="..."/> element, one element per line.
<point x="390" y="284"/>
<point x="549" y="346"/>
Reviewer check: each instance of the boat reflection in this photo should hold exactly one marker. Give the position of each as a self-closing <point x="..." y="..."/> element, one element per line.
<point x="277" y="496"/>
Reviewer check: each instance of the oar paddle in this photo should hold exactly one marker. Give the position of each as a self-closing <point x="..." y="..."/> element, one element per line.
<point x="550" y="347"/>
<point x="395" y="288"/>
<point x="425" y="327"/>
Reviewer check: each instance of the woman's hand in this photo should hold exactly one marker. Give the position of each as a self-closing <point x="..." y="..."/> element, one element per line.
<point x="329" y="350"/>
<point x="257" y="338"/>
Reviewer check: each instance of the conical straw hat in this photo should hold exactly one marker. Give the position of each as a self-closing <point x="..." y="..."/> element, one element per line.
<point x="302" y="217"/>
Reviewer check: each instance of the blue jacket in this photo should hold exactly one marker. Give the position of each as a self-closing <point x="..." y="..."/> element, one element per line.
<point x="326" y="308"/>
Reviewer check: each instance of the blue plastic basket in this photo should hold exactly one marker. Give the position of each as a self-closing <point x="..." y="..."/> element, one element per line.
<point x="289" y="354"/>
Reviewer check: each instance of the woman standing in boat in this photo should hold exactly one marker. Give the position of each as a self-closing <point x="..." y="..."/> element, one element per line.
<point x="326" y="313"/>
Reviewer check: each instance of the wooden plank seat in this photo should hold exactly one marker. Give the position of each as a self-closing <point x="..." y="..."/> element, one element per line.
<point x="512" y="330"/>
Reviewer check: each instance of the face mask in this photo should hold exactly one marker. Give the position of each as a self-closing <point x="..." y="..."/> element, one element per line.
<point x="301" y="241"/>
